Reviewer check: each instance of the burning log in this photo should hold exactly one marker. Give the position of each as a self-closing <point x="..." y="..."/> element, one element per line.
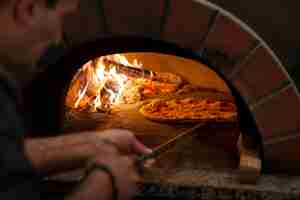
<point x="143" y="73"/>
<point x="130" y="71"/>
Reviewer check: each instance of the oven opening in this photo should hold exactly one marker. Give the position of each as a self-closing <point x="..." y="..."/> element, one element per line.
<point x="153" y="88"/>
<point x="157" y="96"/>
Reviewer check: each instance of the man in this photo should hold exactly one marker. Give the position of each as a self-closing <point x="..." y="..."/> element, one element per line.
<point x="28" y="27"/>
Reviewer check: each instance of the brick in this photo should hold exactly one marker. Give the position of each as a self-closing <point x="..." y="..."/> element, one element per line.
<point x="134" y="17"/>
<point x="259" y="75"/>
<point x="279" y="115"/>
<point x="227" y="43"/>
<point x="85" y="24"/>
<point x="283" y="156"/>
<point x="187" y="23"/>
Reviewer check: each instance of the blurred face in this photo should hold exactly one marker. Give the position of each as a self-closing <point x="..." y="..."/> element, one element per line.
<point x="47" y="28"/>
<point x="32" y="26"/>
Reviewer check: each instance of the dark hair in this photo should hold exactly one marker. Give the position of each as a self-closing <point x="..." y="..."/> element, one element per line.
<point x="51" y="3"/>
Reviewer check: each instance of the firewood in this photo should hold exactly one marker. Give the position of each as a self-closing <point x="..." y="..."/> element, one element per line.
<point x="144" y="73"/>
<point x="130" y="71"/>
<point x="250" y="162"/>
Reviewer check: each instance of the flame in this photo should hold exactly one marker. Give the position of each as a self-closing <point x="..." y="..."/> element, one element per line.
<point x="82" y="92"/>
<point x="123" y="60"/>
<point x="103" y="84"/>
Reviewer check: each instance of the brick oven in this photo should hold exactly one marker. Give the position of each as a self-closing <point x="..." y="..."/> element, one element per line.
<point x="267" y="98"/>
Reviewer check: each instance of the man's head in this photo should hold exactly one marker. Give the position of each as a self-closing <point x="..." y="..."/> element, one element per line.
<point x="28" y="27"/>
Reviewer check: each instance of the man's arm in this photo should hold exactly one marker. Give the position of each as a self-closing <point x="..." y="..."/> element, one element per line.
<point x="96" y="186"/>
<point x="57" y="154"/>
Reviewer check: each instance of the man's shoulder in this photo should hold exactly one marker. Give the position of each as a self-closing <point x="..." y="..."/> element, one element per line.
<point x="8" y="91"/>
<point x="8" y="86"/>
<point x="10" y="119"/>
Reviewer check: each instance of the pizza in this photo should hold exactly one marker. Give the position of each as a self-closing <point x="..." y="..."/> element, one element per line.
<point x="190" y="110"/>
<point x="166" y="77"/>
<point x="140" y="89"/>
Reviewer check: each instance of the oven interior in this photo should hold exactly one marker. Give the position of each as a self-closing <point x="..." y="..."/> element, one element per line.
<point x="63" y="112"/>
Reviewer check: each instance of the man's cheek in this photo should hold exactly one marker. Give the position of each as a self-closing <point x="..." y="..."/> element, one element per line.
<point x="56" y="33"/>
<point x="53" y="29"/>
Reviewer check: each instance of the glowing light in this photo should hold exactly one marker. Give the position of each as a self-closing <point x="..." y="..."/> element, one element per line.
<point x="104" y="82"/>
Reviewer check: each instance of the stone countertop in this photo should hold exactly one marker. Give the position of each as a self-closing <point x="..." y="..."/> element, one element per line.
<point x="209" y="184"/>
<point x="219" y="184"/>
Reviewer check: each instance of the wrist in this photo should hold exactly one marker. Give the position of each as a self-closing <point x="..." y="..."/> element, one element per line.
<point x="96" y="184"/>
<point x="96" y="169"/>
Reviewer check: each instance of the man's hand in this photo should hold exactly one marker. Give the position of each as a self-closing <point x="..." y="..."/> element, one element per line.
<point x="123" y="168"/>
<point x="124" y="140"/>
<point x="98" y="182"/>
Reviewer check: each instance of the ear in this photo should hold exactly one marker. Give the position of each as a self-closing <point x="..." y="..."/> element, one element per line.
<point x="24" y="13"/>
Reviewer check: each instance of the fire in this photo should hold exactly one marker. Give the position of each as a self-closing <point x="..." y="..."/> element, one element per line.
<point x="98" y="85"/>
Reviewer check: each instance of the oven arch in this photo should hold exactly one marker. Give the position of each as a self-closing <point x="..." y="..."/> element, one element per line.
<point x="259" y="94"/>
